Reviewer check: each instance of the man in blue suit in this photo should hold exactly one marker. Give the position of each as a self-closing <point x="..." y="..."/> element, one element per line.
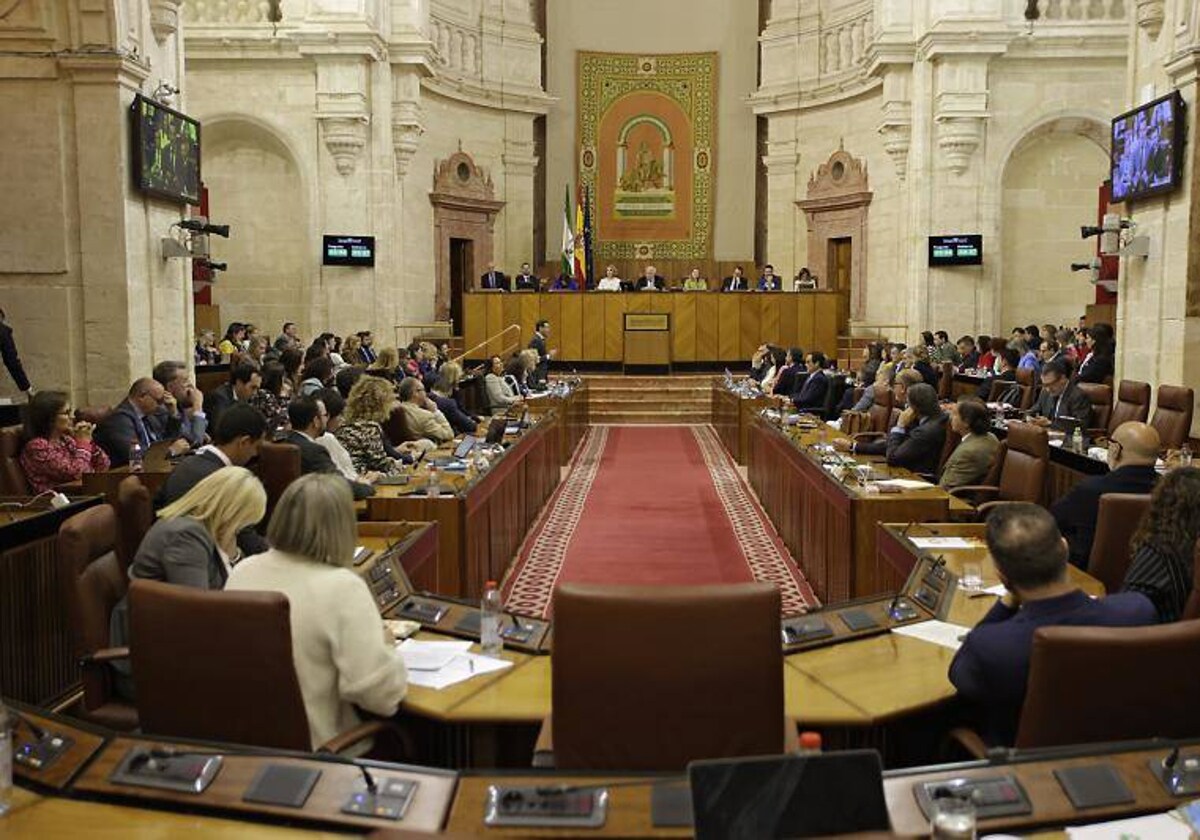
<point x="991" y="668"/>
<point x="812" y="393"/>
<point x="769" y="282"/>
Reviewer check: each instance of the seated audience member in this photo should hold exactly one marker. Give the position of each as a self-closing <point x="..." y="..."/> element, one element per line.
<point x="371" y="402"/>
<point x="882" y="377"/>
<point x="1029" y="356"/>
<point x="1097" y="364"/>
<point x="917" y="357"/>
<point x="318" y="348"/>
<point x="386" y="365"/>
<point x="786" y="375"/>
<point x="895" y="358"/>
<point x="133" y="421"/>
<point x="525" y="281"/>
<point x="811" y="395"/>
<point x="987" y="358"/>
<point x="350" y="351"/>
<point x="415" y="364"/>
<point x="1033" y="336"/>
<point x="1008" y="360"/>
<point x="1049" y="350"/>
<point x="905" y="379"/>
<point x="1061" y="405"/>
<point x="492" y="279"/>
<point x="917" y="439"/>
<point x="735" y="282"/>
<point x="317" y="375"/>
<point x="335" y="406"/>
<point x="424" y="418"/>
<point x="566" y="283"/>
<point x="770" y="281"/>
<point x="967" y="354"/>
<point x="500" y="393"/>
<point x="235" y="442"/>
<point x="694" y="282"/>
<point x="258" y="350"/>
<point x="235" y="333"/>
<point x="308" y="417"/>
<point x="292" y="360"/>
<point x="57" y="449"/>
<point x="972" y="458"/>
<point x="345" y="657"/>
<point x="991" y="668"/>
<point x="442" y="394"/>
<point x="186" y="403"/>
<point x="205" y="351"/>
<point x="268" y="400"/>
<point x="1132" y="451"/>
<point x="999" y="345"/>
<point x="289" y="338"/>
<point x="1066" y="345"/>
<point x="776" y="358"/>
<point x="610" y="282"/>
<point x="943" y="350"/>
<point x="366" y="347"/>
<point x="1163" y="546"/>
<point x="927" y="341"/>
<point x="345" y="379"/>
<point x="651" y="279"/>
<point x="760" y="362"/>
<point x="519" y="371"/>
<point x="244" y="380"/>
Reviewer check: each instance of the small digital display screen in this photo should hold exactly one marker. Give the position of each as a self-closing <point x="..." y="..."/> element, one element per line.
<point x="349" y="250"/>
<point x="959" y="249"/>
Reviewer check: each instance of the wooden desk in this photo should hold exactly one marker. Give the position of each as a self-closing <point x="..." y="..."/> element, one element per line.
<point x="827" y="524"/>
<point x="572" y="411"/>
<point x="967" y="384"/>
<point x="705" y="326"/>
<point x="37" y="663"/>
<point x="105" y="483"/>
<point x="732" y="415"/>
<point x="483" y="522"/>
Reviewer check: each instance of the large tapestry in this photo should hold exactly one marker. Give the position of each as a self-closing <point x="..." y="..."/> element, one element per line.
<point x="647" y="137"/>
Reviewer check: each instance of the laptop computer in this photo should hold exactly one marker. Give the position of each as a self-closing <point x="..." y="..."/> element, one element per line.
<point x="461" y="451"/>
<point x="788" y="796"/>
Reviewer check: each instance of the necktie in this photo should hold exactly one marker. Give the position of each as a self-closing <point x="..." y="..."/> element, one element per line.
<point x="143" y="433"/>
<point x="491" y="281"/>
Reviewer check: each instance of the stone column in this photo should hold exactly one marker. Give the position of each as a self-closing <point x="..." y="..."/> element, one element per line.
<point x="787" y="243"/>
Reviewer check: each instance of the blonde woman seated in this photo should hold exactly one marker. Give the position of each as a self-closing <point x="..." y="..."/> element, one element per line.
<point x="344" y="656"/>
<point x="386" y="364"/>
<point x="368" y="407"/>
<point x="194" y="541"/>
<point x="500" y="392"/>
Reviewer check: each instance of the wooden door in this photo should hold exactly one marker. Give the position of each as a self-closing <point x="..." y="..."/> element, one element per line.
<point x="839" y="258"/>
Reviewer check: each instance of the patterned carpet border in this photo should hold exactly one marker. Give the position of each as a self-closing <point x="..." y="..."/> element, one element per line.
<point x="531" y="580"/>
<point x="767" y="556"/>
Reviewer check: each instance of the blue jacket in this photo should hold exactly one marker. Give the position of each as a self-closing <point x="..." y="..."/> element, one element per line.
<point x="991" y="669"/>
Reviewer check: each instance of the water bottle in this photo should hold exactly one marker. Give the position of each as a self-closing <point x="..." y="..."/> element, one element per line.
<point x="1185" y="456"/>
<point x="1077" y="440"/>
<point x="137" y="457"/>
<point x="489" y="623"/>
<point x="435" y="481"/>
<point x="6" y="757"/>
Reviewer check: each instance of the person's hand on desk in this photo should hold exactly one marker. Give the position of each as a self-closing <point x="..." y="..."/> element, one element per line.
<point x="370" y="477"/>
<point x="409" y="446"/>
<point x="179" y="446"/>
<point x="1037" y="420"/>
<point x="843" y="444"/>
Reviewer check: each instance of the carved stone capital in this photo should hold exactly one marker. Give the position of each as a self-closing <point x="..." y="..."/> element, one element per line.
<point x="345" y="138"/>
<point x="958" y="137"/>
<point x="407" y="129"/>
<point x="1150" y="15"/>
<point x="164" y="18"/>
<point x="897" y="140"/>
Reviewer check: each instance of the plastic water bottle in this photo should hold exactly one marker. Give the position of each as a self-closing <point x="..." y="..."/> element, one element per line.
<point x="6" y="761"/>
<point x="489" y="623"/>
<point x="435" y="481"/>
<point x="137" y="457"/>
<point x="1077" y="440"/>
<point x="1185" y="456"/>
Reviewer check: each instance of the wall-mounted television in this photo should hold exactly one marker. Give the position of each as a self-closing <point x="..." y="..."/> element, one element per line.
<point x="1147" y="149"/>
<point x="956" y="249"/>
<point x="348" y="250"/>
<point x="166" y="152"/>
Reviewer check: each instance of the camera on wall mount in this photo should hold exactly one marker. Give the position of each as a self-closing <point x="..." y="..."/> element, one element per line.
<point x="1093" y="268"/>
<point x="1116" y="237"/>
<point x="191" y="240"/>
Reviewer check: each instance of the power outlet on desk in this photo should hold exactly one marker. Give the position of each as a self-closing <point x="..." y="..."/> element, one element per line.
<point x="389" y="802"/>
<point x="39" y="754"/>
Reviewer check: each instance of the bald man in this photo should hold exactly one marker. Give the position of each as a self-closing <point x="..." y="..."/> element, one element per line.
<point x="1132" y="451"/>
<point x="133" y="421"/>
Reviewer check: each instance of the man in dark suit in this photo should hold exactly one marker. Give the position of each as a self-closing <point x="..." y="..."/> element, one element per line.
<point x="133" y="421"/>
<point x="1132" y="451"/>
<point x="289" y="337"/>
<point x="12" y="361"/>
<point x="244" y="380"/>
<point x="770" y="281"/>
<point x="735" y="282"/>
<point x="811" y="395"/>
<point x="366" y="352"/>
<point x="235" y="442"/>
<point x="1010" y="358"/>
<point x="525" y="281"/>
<point x="651" y="280"/>
<point x="790" y="379"/>
<point x="307" y="416"/>
<point x="917" y="439"/>
<point x="542" y="372"/>
<point x="1061" y="404"/>
<point x="493" y="279"/>
<point x="991" y="668"/>
<point x="905" y="379"/>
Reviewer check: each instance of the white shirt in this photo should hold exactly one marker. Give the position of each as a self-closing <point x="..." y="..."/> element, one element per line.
<point x="338" y="647"/>
<point x="341" y="458"/>
<point x="609" y="284"/>
<point x="215" y="450"/>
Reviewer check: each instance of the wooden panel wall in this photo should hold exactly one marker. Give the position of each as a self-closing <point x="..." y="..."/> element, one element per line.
<point x="706" y="327"/>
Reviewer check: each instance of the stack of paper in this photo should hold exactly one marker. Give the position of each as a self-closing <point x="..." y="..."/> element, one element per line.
<point x="933" y="543"/>
<point x="905" y="484"/>
<point x="439" y="665"/>
<point x="936" y="632"/>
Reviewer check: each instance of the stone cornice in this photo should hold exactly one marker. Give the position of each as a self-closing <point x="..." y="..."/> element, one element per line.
<point x="510" y="98"/>
<point x="797" y="98"/>
<point x="971" y="38"/>
<point x="105" y="69"/>
<point x="353" y="41"/>
<point x="1183" y="67"/>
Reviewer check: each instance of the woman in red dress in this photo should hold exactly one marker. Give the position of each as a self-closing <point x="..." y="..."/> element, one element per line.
<point x="57" y="450"/>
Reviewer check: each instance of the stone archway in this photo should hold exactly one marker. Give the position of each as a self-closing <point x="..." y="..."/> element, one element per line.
<point x="836" y="211"/>
<point x="464" y="209"/>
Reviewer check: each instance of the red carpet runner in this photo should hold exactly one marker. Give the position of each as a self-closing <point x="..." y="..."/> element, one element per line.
<point x="652" y="505"/>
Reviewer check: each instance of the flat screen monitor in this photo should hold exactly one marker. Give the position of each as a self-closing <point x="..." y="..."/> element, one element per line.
<point x="1147" y="149"/>
<point x="956" y="249"/>
<point x="166" y="152"/>
<point x="348" y="250"/>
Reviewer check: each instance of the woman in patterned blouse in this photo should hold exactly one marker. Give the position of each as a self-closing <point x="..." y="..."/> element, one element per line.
<point x="58" y="450"/>
<point x="269" y="399"/>
<point x="368" y="406"/>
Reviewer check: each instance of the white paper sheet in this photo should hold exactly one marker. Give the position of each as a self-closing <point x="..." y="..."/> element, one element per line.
<point x="944" y="542"/>
<point x="905" y="483"/>
<point x="430" y="656"/>
<point x="461" y="668"/>
<point x="936" y="632"/>
<point x="1155" y="827"/>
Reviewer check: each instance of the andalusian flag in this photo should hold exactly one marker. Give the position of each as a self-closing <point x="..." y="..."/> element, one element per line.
<point x="580" y="254"/>
<point x="568" y="237"/>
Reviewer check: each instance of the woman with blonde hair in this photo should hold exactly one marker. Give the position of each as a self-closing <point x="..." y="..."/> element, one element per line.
<point x="344" y="656"/>
<point x="368" y="406"/>
<point x="386" y="364"/>
<point x="442" y="393"/>
<point x="349" y="350"/>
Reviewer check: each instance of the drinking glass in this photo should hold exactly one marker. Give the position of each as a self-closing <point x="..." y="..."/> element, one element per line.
<point x="972" y="576"/>
<point x="953" y="819"/>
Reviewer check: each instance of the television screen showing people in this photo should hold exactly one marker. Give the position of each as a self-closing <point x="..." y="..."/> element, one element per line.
<point x="1145" y="154"/>
<point x="168" y="152"/>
